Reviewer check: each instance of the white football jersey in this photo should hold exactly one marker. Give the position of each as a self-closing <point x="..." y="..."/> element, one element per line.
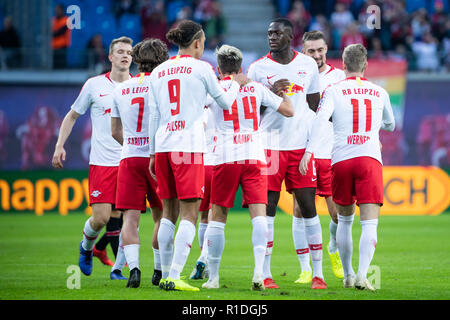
<point x="210" y="135"/>
<point x="97" y="94"/>
<point x="180" y="86"/>
<point x="359" y="109"/>
<point x="329" y="76"/>
<point x="302" y="72"/>
<point x="238" y="134"/>
<point x="131" y="106"/>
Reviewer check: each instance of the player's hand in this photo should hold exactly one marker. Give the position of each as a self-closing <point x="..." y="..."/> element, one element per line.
<point x="151" y="167"/>
<point x="381" y="146"/>
<point x="280" y="86"/>
<point x="241" y="79"/>
<point x="58" y="157"/>
<point x="303" y="166"/>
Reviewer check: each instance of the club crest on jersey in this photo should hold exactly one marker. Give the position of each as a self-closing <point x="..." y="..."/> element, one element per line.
<point x="95" y="193"/>
<point x="302" y="73"/>
<point x="292" y="89"/>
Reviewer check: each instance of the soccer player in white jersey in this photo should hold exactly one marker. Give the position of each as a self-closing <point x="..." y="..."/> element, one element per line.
<point x="240" y="160"/>
<point x="129" y="125"/>
<point x="297" y="74"/>
<point x="96" y="94"/>
<point x="359" y="109"/>
<point x="314" y="45"/>
<point x="177" y="142"/>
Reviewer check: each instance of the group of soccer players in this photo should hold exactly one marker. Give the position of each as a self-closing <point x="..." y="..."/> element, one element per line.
<point x="180" y="138"/>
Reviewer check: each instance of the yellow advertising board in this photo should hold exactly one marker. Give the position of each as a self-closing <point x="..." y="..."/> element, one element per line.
<point x="408" y="190"/>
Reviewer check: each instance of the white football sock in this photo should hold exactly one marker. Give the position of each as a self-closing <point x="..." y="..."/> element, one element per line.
<point x="216" y="243"/>
<point x="300" y="243"/>
<point x="270" y="231"/>
<point x="313" y="232"/>
<point x="345" y="243"/>
<point x="156" y="259"/>
<point x="201" y="233"/>
<point x="121" y="260"/>
<point x="165" y="242"/>
<point x="333" y="228"/>
<point x="204" y="253"/>
<point x="89" y="236"/>
<point x="132" y="255"/>
<point x="367" y="245"/>
<point x="182" y="247"/>
<point x="259" y="240"/>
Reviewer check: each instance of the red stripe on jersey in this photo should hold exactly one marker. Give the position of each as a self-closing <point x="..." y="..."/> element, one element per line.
<point x="331" y="69"/>
<point x="182" y="56"/>
<point x="315" y="246"/>
<point x="269" y="244"/>
<point x="302" y="251"/>
<point x="368" y="114"/>
<point x="354" y="78"/>
<point x="108" y="77"/>
<point x="295" y="56"/>
<point x="355" y="105"/>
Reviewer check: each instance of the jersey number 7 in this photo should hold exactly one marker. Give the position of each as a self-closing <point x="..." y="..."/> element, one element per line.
<point x="141" y="102"/>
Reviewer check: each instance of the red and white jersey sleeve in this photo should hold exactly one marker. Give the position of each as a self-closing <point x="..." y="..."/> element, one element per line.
<point x="97" y="94"/>
<point x="359" y="109"/>
<point x="180" y="86"/>
<point x="131" y="106"/>
<point x="302" y="72"/>
<point x="328" y="77"/>
<point x="238" y="134"/>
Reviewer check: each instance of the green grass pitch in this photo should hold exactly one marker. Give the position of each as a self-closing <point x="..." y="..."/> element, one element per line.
<point x="413" y="254"/>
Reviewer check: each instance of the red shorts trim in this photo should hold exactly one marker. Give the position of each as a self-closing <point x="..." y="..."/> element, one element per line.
<point x="283" y="165"/>
<point x="228" y="176"/>
<point x="102" y="184"/>
<point x="180" y="175"/>
<point x="135" y="185"/>
<point x="360" y="178"/>
<point x="323" y="170"/>
<point x="205" y="205"/>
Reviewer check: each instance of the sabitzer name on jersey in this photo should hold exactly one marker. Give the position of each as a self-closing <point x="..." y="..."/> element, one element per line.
<point x="138" y="141"/>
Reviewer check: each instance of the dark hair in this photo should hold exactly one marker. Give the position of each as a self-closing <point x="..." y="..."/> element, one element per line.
<point x="229" y="59"/>
<point x="185" y="33"/>
<point x="313" y="35"/>
<point x="149" y="53"/>
<point x="285" y="22"/>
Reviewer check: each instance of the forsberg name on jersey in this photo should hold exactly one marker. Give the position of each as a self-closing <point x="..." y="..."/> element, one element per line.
<point x="366" y="91"/>
<point x="134" y="90"/>
<point x="174" y="70"/>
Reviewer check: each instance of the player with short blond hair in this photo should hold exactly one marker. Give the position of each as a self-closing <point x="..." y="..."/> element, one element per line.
<point x="359" y="109"/>
<point x="96" y="94"/>
<point x="240" y="161"/>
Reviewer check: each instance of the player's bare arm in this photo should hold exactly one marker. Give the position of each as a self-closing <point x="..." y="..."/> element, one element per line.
<point x="66" y="128"/>
<point x="280" y="86"/>
<point x="313" y="100"/>
<point x="241" y="79"/>
<point x="117" y="130"/>
<point x="151" y="167"/>
<point x="286" y="108"/>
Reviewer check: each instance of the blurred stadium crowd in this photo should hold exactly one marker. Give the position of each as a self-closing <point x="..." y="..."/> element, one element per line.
<point x="415" y="30"/>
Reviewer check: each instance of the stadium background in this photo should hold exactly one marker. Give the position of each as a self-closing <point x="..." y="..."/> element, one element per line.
<point x="409" y="56"/>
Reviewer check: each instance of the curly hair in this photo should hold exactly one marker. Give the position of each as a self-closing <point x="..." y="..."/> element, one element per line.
<point x="149" y="53"/>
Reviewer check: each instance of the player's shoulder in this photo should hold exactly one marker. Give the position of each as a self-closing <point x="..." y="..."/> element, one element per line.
<point x="336" y="72"/>
<point x="260" y="62"/>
